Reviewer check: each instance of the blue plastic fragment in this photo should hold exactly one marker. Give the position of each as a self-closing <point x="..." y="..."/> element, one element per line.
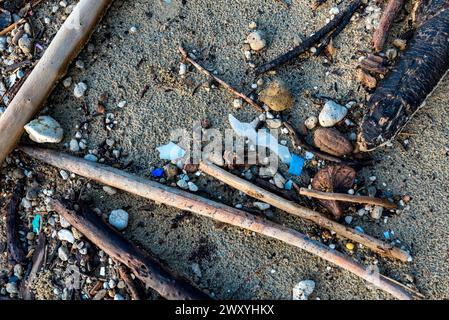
<point x="387" y="235"/>
<point x="296" y="165"/>
<point x="157" y="173"/>
<point x="288" y="185"/>
<point x="36" y="224"/>
<point x="359" y="229"/>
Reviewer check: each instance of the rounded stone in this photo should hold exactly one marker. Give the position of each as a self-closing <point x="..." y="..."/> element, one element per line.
<point x="44" y="129"/>
<point x="277" y="96"/>
<point x="119" y="219"/>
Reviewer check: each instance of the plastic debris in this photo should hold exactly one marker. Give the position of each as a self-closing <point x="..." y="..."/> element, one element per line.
<point x="296" y="165"/>
<point x="157" y="173"/>
<point x="170" y="151"/>
<point x="303" y="290"/>
<point x="387" y="235"/>
<point x="359" y="229"/>
<point x="36" y="224"/>
<point x="288" y="185"/>
<point x="260" y="138"/>
<point x="309" y="155"/>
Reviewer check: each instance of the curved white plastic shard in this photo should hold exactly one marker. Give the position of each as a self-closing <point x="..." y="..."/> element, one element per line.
<point x="261" y="138"/>
<point x="170" y="151"/>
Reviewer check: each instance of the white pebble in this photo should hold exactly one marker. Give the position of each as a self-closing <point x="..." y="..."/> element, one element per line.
<point x="192" y="187"/>
<point x="74" y="145"/>
<point x="348" y="219"/>
<point x="182" y="69"/>
<point x="66" y="235"/>
<point x="262" y="205"/>
<point x="237" y="103"/>
<point x="376" y="213"/>
<point x="331" y="114"/>
<point x="63" y="253"/>
<point x="64" y="175"/>
<point x="79" y="90"/>
<point x="44" y="129"/>
<point x="256" y="41"/>
<point x="303" y="290"/>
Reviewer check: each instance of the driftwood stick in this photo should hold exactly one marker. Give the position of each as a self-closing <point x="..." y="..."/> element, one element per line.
<point x="250" y="101"/>
<point x="381" y="33"/>
<point x="291" y="207"/>
<point x="347" y="198"/>
<point x="66" y="45"/>
<point x="15" y="250"/>
<point x="148" y="270"/>
<point x="190" y="202"/>
<point x="310" y="41"/>
<point x="11" y="27"/>
<point x="129" y="282"/>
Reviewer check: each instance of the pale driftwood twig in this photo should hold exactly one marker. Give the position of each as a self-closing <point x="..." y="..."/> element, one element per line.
<point x="190" y="202"/>
<point x="347" y="198"/>
<point x="291" y="207"/>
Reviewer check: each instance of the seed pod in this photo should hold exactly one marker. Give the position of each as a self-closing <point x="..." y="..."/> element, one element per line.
<point x="331" y="141"/>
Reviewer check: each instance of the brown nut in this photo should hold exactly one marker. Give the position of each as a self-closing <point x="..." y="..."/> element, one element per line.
<point x="331" y="141"/>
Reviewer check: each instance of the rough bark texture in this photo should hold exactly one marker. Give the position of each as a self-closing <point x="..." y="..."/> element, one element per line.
<point x="148" y="270"/>
<point x="412" y="80"/>
<point x="15" y="250"/>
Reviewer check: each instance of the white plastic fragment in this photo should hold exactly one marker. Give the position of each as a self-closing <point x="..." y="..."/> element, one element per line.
<point x="170" y="151"/>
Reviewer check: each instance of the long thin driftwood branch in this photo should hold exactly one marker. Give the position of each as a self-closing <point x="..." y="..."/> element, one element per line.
<point x="310" y="41"/>
<point x="148" y="270"/>
<point x="291" y="207"/>
<point x="190" y="202"/>
<point x="65" y="46"/>
<point x="347" y="198"/>
<point x="250" y="101"/>
<point x="381" y="33"/>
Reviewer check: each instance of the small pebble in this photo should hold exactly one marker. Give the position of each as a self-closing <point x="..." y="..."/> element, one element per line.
<point x="74" y="145"/>
<point x="376" y="213"/>
<point x="237" y="103"/>
<point x="350" y="246"/>
<point x="331" y="114"/>
<point x="119" y="219"/>
<point x="192" y="187"/>
<point x="256" y="41"/>
<point x="44" y="129"/>
<point x="79" y="90"/>
<point x="64" y="175"/>
<point x="63" y="253"/>
<point x="311" y="122"/>
<point x="303" y="290"/>
<point x="109" y="190"/>
<point x="91" y="157"/>
<point x="262" y="206"/>
<point x="348" y="219"/>
<point x="66" y="235"/>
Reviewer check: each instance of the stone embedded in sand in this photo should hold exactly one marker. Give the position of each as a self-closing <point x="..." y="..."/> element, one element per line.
<point x="331" y="114"/>
<point x="256" y="41"/>
<point x="303" y="290"/>
<point x="79" y="90"/>
<point x="66" y="235"/>
<point x="44" y="129"/>
<point x="311" y="122"/>
<point x="74" y="145"/>
<point x="119" y="219"/>
<point x="277" y="96"/>
<point x="25" y="44"/>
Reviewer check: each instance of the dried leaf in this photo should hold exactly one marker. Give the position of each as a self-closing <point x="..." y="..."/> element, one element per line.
<point x="337" y="178"/>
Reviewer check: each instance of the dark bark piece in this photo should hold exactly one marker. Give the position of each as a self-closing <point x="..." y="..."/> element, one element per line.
<point x="411" y="81"/>
<point x="147" y="269"/>
<point x="334" y="179"/>
<point x="38" y="262"/>
<point x="310" y="41"/>
<point x="15" y="250"/>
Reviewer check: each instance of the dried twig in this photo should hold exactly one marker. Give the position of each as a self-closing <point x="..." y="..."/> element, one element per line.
<point x="310" y="41"/>
<point x="381" y="33"/>
<point x="250" y="189"/>
<point x="205" y="207"/>
<point x="11" y="27"/>
<point x="347" y="198"/>
<point x="250" y="101"/>
<point x="129" y="282"/>
<point x="15" y="250"/>
<point x="317" y="3"/>
<point x="38" y="261"/>
<point x="141" y="264"/>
